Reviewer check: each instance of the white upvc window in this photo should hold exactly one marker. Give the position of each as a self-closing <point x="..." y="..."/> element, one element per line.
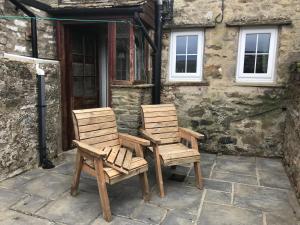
<point x="186" y="56"/>
<point x="257" y="55"/>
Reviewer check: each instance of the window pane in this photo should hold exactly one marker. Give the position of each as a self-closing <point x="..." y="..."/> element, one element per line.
<point x="191" y="64"/>
<point x="78" y="89"/>
<point x="180" y="64"/>
<point x="181" y="44"/>
<point x="90" y="86"/>
<point x="89" y="70"/>
<point x="262" y="63"/>
<point x="122" y="51"/>
<point x="77" y="69"/>
<point x="249" y="63"/>
<point x="192" y="44"/>
<point x="251" y="43"/>
<point x="263" y="43"/>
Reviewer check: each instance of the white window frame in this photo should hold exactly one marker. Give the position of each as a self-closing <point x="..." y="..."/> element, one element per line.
<point x="173" y="76"/>
<point x="268" y="77"/>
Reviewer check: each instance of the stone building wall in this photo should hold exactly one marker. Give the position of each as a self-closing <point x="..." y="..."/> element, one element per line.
<point x="236" y="119"/>
<point x="292" y="136"/>
<point x="15" y="33"/>
<point x="18" y="115"/>
<point x="126" y="103"/>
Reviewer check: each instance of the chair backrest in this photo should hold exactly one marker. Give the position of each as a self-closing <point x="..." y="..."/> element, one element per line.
<point x="161" y="121"/>
<point x="96" y="127"/>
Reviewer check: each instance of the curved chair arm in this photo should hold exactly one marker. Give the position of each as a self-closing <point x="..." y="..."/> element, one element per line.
<point x="150" y="137"/>
<point x="90" y="150"/>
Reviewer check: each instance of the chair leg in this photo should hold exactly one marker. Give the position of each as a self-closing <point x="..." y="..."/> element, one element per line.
<point x="198" y="175"/>
<point x="145" y="186"/>
<point x="158" y="171"/>
<point x="76" y="178"/>
<point x="102" y="190"/>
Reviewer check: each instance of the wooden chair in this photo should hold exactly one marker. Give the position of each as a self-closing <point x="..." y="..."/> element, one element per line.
<point x="106" y="154"/>
<point x="160" y="126"/>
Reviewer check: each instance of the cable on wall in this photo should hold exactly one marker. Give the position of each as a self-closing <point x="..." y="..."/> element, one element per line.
<point x="220" y="17"/>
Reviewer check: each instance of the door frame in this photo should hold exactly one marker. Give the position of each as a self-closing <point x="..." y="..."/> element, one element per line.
<point x="63" y="31"/>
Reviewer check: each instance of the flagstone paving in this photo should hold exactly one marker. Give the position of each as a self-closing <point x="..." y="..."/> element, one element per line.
<point x="237" y="191"/>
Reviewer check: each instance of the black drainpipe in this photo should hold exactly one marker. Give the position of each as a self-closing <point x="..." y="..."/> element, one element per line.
<point x="44" y="161"/>
<point x="157" y="57"/>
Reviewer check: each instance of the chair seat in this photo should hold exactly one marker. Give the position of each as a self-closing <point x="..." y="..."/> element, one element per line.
<point x="176" y="154"/>
<point x="112" y="176"/>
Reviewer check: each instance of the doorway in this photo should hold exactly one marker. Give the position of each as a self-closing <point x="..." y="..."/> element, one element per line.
<point x="85" y="79"/>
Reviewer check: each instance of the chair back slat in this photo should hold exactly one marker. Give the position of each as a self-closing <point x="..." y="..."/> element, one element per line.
<point x="96" y="127"/>
<point x="161" y="121"/>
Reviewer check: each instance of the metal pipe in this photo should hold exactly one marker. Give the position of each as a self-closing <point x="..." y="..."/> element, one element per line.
<point x="157" y="65"/>
<point x="144" y="30"/>
<point x="44" y="161"/>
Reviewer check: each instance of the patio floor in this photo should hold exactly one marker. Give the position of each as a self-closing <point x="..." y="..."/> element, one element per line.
<point x="238" y="191"/>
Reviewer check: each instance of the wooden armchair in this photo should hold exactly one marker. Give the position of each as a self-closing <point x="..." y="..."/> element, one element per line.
<point x="106" y="154"/>
<point x="160" y="126"/>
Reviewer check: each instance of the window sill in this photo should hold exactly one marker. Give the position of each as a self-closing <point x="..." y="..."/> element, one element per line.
<point x="137" y="86"/>
<point x="253" y="84"/>
<point x="186" y="83"/>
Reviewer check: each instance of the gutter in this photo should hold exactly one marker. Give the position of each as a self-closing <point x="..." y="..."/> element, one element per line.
<point x="44" y="161"/>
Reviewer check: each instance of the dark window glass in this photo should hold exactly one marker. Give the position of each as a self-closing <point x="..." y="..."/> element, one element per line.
<point x="191" y="63"/>
<point x="251" y="43"/>
<point x="122" y="51"/>
<point x="180" y="64"/>
<point x="249" y="63"/>
<point x="140" y="67"/>
<point x="263" y="43"/>
<point x="262" y="63"/>
<point x="181" y="44"/>
<point x="192" y="44"/>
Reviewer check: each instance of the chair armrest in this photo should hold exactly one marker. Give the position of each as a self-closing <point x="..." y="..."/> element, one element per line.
<point x="150" y="137"/>
<point x="191" y="133"/>
<point x="90" y="150"/>
<point x="134" y="139"/>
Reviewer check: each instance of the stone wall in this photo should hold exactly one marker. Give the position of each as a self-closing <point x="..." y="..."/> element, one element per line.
<point x="126" y="103"/>
<point x="292" y="136"/>
<point x="18" y="115"/>
<point x="236" y="119"/>
<point x="15" y="33"/>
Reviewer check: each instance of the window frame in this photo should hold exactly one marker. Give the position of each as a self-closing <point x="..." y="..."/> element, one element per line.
<point x="185" y="77"/>
<point x="268" y="77"/>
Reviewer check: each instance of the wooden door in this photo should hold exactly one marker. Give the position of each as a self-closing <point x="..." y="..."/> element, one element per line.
<point x="84" y="69"/>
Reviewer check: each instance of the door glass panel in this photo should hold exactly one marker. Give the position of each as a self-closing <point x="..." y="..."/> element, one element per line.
<point x="90" y="87"/>
<point x="78" y="88"/>
<point x="251" y="43"/>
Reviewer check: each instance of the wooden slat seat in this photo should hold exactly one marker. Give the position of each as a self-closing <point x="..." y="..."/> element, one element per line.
<point x="105" y="153"/>
<point x="172" y="154"/>
<point x="160" y="126"/>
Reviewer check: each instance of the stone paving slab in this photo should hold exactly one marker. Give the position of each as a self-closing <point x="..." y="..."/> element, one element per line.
<point x="48" y="186"/>
<point x="270" y="165"/>
<point x="274" y="179"/>
<point x="81" y="210"/>
<point x="9" y="197"/>
<point x="213" y="214"/>
<point x="261" y="198"/>
<point x="175" y="217"/>
<point x="236" y="166"/>
<point x="30" y="204"/>
<point x="233" y="177"/>
<point x="15" y="218"/>
<point x="178" y="197"/>
<point x="211" y="184"/>
<point x="219" y="197"/>
<point x="149" y="213"/>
